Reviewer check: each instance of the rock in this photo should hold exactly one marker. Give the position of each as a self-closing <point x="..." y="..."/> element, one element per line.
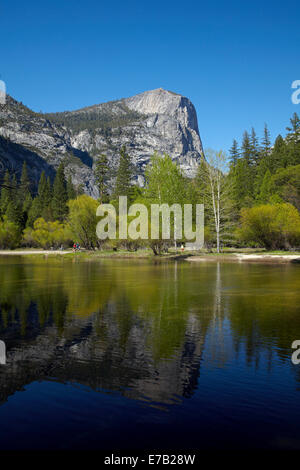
<point x="156" y="120"/>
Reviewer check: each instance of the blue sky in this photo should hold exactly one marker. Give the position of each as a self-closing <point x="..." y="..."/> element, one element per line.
<point x="235" y="60"/>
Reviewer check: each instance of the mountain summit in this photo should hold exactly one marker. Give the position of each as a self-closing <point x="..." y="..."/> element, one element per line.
<point x="156" y="120"/>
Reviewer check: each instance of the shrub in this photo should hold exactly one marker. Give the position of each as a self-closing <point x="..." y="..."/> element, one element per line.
<point x="46" y="234"/>
<point x="271" y="226"/>
<point x="10" y="234"/>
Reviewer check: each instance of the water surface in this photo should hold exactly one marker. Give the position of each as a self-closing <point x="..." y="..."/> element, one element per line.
<point x="135" y="354"/>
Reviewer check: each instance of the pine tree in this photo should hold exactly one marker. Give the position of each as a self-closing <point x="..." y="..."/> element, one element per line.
<point x="102" y="176"/>
<point x="265" y="189"/>
<point x="60" y="196"/>
<point x="14" y="209"/>
<point x="24" y="188"/>
<point x="266" y="143"/>
<point x="255" y="155"/>
<point x="123" y="186"/>
<point x="40" y="202"/>
<point x="246" y="148"/>
<point x="234" y="153"/>
<point x="42" y="190"/>
<point x="242" y="184"/>
<point x="70" y="189"/>
<point x="294" y="130"/>
<point x="24" y="194"/>
<point x="278" y="155"/>
<point x="47" y="200"/>
<point x="5" y="193"/>
<point x="246" y="171"/>
<point x="293" y="139"/>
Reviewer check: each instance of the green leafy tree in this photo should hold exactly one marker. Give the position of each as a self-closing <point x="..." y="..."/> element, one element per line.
<point x="274" y="226"/>
<point x="10" y="234"/>
<point x="217" y="195"/>
<point x="82" y="221"/>
<point x="46" y="234"/>
<point x="165" y="184"/>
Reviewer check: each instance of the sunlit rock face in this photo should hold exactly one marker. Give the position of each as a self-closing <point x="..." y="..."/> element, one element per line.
<point x="154" y="121"/>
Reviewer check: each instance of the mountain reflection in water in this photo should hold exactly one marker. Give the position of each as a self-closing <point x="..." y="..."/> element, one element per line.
<point x="147" y="330"/>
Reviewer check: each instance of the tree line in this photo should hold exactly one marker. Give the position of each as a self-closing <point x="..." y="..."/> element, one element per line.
<point x="250" y="199"/>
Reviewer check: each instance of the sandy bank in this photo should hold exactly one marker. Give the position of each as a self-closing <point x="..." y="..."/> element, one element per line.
<point x="248" y="257"/>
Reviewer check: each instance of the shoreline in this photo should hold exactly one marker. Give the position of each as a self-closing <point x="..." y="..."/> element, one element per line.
<point x="188" y="256"/>
<point x="246" y="257"/>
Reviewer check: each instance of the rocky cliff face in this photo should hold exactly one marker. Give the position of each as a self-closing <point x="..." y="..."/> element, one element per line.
<point x="156" y="120"/>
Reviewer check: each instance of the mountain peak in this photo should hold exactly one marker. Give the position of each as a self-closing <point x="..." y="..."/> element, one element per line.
<point x="155" y="120"/>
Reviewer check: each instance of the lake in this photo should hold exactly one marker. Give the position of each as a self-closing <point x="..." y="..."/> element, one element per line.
<point x="117" y="354"/>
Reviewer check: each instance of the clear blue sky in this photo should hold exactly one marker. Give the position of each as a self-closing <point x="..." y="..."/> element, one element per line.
<point x="235" y="60"/>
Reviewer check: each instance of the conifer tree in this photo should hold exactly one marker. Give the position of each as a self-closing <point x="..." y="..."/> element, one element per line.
<point x="123" y="186"/>
<point x="70" y="189"/>
<point x="24" y="182"/>
<point x="60" y="196"/>
<point x="40" y="202"/>
<point x="47" y="200"/>
<point x="24" y="194"/>
<point x="234" y="153"/>
<point x="293" y="138"/>
<point x="5" y="193"/>
<point x="102" y="176"/>
<point x="246" y="148"/>
<point x="255" y="155"/>
<point x="265" y="189"/>
<point x="245" y="172"/>
<point x="294" y="130"/>
<point x="14" y="209"/>
<point x="266" y="143"/>
<point x="242" y="184"/>
<point x="279" y="154"/>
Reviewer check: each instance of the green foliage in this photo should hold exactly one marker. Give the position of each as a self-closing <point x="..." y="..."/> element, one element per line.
<point x="5" y="193"/>
<point x="286" y="185"/>
<point x="102" y="176"/>
<point x="234" y="153"/>
<point x="165" y="182"/>
<point x="271" y="226"/>
<point x="60" y="196"/>
<point x="103" y="119"/>
<point x="265" y="189"/>
<point x="10" y="234"/>
<point x="82" y="221"/>
<point x="123" y="185"/>
<point x="41" y="205"/>
<point x="46" y="234"/>
<point x="24" y="194"/>
<point x="71" y="192"/>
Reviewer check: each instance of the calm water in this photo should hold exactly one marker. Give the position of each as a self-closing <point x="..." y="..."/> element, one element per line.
<point x="132" y="354"/>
